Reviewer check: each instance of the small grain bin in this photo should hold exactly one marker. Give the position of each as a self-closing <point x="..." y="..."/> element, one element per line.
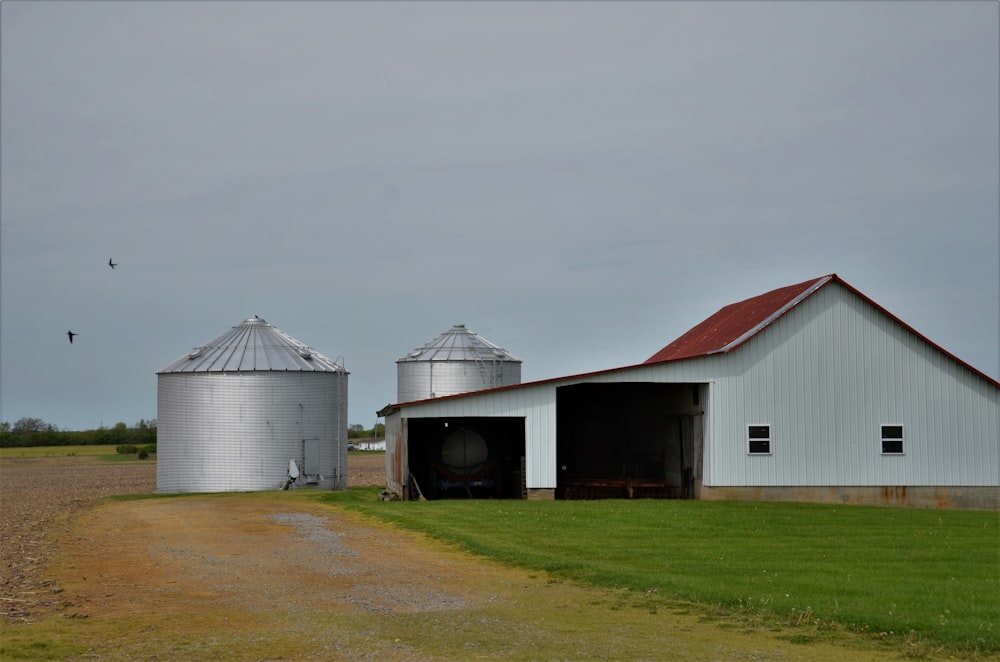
<point x="457" y="361"/>
<point x="232" y="413"/>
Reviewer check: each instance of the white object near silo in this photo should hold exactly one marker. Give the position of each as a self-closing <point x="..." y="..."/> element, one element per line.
<point x="232" y="413"/>
<point x="457" y="361"/>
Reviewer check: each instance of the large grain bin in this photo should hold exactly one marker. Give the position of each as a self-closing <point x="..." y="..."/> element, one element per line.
<point x="457" y="361"/>
<point x="233" y="412"/>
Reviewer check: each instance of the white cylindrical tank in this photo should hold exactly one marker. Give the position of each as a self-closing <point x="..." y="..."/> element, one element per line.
<point x="457" y="361"/>
<point x="232" y="413"/>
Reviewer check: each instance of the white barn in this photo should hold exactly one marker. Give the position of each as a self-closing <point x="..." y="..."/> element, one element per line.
<point x="811" y="392"/>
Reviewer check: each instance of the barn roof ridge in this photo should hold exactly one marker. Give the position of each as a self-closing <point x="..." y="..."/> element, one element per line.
<point x="795" y="294"/>
<point x="736" y="323"/>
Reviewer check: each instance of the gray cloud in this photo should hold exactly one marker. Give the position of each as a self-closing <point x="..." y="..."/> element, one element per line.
<point x="578" y="182"/>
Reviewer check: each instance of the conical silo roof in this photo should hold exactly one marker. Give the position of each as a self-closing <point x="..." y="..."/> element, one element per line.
<point x="253" y="345"/>
<point x="459" y="344"/>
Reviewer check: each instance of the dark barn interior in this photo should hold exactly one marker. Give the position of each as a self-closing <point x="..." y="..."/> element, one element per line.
<point x="467" y="457"/>
<point x="627" y="440"/>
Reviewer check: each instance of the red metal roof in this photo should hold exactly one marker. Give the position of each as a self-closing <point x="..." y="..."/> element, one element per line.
<point x="736" y="323"/>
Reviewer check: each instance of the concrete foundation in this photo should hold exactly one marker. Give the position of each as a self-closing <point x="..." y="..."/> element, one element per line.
<point x="919" y="496"/>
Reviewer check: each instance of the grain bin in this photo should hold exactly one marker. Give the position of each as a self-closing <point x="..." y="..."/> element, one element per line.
<point x="233" y="412"/>
<point x="457" y="361"/>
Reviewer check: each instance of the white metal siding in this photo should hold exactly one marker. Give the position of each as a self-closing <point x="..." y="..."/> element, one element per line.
<point x="826" y="377"/>
<point x="536" y="404"/>
<point x="219" y="432"/>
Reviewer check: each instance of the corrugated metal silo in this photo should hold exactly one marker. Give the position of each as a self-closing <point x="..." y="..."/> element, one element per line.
<point x="233" y="412"/>
<point x="457" y="361"/>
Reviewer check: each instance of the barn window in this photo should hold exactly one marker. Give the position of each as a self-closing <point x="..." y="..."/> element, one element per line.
<point x="892" y="439"/>
<point x="759" y="437"/>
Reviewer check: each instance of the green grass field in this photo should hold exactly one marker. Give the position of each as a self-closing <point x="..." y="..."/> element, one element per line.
<point x="921" y="579"/>
<point x="896" y="574"/>
<point x="55" y="451"/>
<point x="102" y="452"/>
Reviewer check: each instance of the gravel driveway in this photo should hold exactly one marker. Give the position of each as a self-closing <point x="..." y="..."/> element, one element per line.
<point x="276" y="575"/>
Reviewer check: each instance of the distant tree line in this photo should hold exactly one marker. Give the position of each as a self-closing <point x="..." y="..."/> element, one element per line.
<point x="358" y="431"/>
<point x="36" y="432"/>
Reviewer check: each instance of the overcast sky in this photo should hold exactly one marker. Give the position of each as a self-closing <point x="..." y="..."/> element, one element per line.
<point x="579" y="183"/>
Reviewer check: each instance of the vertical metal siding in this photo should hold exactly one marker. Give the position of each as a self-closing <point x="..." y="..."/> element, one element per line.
<point x="536" y="404"/>
<point x="418" y="380"/>
<point x="826" y="377"/>
<point x="395" y="460"/>
<point x="221" y="432"/>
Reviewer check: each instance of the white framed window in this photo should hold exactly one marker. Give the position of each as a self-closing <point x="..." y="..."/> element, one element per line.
<point x="759" y="439"/>
<point x="892" y="439"/>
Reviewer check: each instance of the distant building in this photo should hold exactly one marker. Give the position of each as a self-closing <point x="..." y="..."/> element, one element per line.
<point x="232" y="414"/>
<point x="811" y="392"/>
<point x="374" y="445"/>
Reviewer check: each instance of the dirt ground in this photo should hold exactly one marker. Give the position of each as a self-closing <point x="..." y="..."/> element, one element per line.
<point x="279" y="576"/>
<point x="39" y="496"/>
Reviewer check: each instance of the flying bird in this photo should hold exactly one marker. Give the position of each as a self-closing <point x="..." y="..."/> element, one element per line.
<point x="71" y="334"/>
<point x="112" y="264"/>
